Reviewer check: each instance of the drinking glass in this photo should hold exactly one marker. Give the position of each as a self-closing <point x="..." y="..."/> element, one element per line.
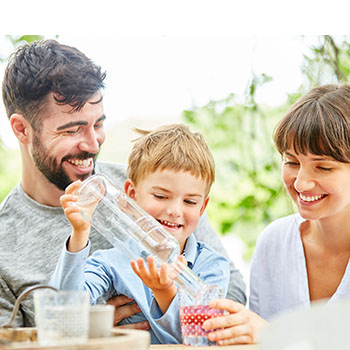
<point x="61" y="317"/>
<point x="193" y="313"/>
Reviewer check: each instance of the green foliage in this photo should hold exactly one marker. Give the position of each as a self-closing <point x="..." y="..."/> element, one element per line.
<point x="248" y="193"/>
<point x="328" y="63"/>
<point x="9" y="170"/>
<point x="18" y="40"/>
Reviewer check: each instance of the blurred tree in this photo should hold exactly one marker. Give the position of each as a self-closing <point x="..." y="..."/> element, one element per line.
<point x="9" y="160"/>
<point x="248" y="192"/>
<point x="329" y="62"/>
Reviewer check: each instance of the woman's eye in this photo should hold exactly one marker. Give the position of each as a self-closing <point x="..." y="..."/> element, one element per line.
<point x="288" y="162"/>
<point x="324" y="168"/>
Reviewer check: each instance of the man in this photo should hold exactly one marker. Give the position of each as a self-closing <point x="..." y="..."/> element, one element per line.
<point x="53" y="99"/>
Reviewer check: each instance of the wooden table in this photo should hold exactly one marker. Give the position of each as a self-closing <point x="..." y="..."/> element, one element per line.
<point x="183" y="347"/>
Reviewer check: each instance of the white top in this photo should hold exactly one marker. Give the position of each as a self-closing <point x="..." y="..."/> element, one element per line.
<point x="278" y="280"/>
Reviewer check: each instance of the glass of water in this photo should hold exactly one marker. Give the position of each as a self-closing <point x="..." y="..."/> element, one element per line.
<point x="61" y="317"/>
<point x="194" y="312"/>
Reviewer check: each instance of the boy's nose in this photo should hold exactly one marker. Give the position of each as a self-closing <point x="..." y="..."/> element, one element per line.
<point x="174" y="210"/>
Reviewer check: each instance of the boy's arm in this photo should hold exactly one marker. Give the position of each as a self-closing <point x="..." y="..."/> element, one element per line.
<point x="77" y="271"/>
<point x="205" y="233"/>
<point x="81" y="228"/>
<point x="162" y="286"/>
<point x="69" y="272"/>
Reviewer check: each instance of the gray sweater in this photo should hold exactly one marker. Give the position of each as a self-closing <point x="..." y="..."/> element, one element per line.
<point x="31" y="239"/>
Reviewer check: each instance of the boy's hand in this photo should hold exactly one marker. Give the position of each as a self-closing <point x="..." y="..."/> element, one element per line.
<point x="157" y="280"/>
<point x="160" y="281"/>
<point x="81" y="227"/>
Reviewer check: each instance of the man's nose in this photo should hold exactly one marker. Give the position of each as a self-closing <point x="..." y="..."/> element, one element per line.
<point x="90" y="142"/>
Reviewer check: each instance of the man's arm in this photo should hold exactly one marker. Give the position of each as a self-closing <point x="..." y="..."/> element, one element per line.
<point x="205" y="233"/>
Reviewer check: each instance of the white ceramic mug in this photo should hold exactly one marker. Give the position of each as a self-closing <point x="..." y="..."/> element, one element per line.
<point x="101" y="320"/>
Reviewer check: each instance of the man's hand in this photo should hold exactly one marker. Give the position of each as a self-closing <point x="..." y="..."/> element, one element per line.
<point x="239" y="325"/>
<point x="123" y="310"/>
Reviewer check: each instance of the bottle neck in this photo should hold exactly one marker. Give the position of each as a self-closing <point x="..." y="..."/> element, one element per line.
<point x="186" y="280"/>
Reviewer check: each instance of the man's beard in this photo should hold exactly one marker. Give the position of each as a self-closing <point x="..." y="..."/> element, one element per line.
<point x="54" y="172"/>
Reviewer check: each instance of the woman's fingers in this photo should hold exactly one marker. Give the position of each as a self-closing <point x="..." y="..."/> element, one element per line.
<point x="237" y="326"/>
<point x="227" y="305"/>
<point x="225" y="321"/>
<point x="232" y="335"/>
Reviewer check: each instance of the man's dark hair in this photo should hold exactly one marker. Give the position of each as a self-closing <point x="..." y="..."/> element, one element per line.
<point x="34" y="70"/>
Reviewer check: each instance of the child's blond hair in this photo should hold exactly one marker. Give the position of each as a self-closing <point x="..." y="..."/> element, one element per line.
<point x="172" y="147"/>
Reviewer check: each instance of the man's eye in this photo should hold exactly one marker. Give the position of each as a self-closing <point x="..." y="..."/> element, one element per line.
<point x="71" y="132"/>
<point x="190" y="202"/>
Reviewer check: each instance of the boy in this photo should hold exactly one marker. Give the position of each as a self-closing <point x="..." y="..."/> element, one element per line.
<point x="170" y="172"/>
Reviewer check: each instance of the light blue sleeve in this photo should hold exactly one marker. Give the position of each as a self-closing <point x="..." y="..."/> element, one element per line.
<point x="213" y="268"/>
<point x="69" y="272"/>
<point x="75" y="271"/>
<point x="169" y="329"/>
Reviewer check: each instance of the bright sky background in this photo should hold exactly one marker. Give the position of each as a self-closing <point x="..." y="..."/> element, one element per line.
<point x="157" y="77"/>
<point x="163" y="56"/>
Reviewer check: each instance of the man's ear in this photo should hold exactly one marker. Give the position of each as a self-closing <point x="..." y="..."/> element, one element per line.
<point x="204" y="205"/>
<point x="129" y="188"/>
<point x="20" y="127"/>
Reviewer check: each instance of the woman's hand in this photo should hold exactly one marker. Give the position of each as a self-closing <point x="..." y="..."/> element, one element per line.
<point x="239" y="325"/>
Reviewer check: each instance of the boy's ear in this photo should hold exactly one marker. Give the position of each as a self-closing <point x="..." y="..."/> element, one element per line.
<point x="204" y="205"/>
<point x="129" y="188"/>
<point x="20" y="127"/>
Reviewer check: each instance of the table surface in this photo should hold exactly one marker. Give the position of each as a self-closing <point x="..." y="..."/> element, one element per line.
<point x="184" y="347"/>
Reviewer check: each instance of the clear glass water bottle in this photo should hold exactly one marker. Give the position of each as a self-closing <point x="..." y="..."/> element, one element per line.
<point x="126" y="225"/>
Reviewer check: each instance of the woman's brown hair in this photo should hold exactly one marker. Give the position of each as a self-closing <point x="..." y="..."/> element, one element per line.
<point x="319" y="123"/>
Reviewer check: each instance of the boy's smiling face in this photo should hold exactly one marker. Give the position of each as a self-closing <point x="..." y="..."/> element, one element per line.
<point x="176" y="199"/>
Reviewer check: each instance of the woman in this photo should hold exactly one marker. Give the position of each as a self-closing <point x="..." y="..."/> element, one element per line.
<point x="302" y="257"/>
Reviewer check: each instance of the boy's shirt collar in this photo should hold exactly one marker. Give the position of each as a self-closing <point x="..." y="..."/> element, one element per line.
<point x="190" y="250"/>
